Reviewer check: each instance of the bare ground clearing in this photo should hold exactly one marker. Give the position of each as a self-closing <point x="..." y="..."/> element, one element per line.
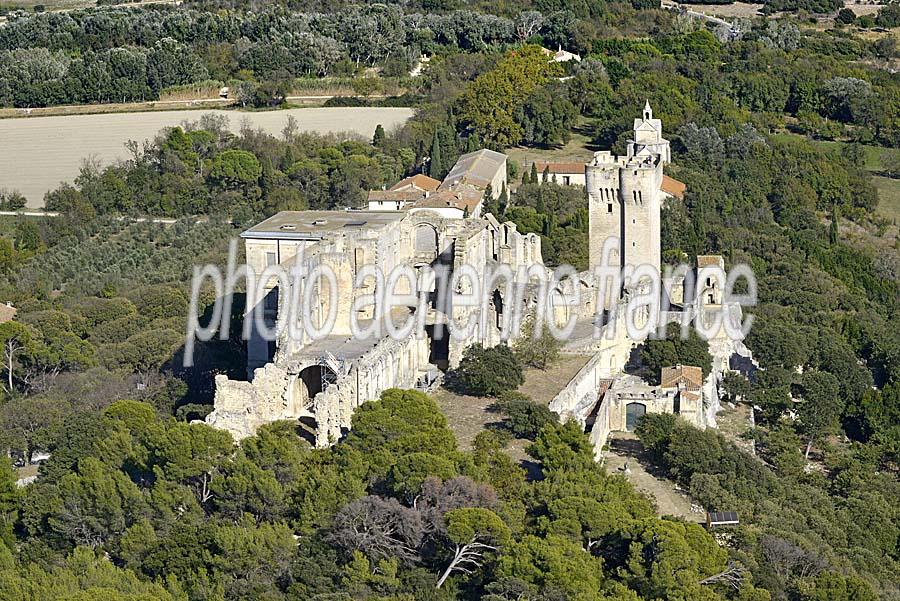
<point x="469" y="415"/>
<point x="626" y="448"/>
<point x="736" y="9"/>
<point x="38" y="153"/>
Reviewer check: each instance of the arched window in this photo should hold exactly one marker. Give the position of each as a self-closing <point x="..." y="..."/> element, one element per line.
<point x="426" y="240"/>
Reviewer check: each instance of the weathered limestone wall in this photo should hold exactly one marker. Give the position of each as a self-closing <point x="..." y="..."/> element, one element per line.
<point x="391" y="364"/>
<point x="641" y="222"/>
<point x="242" y="407"/>
<point x="601" y="430"/>
<point x="579" y="396"/>
<point x="604" y="207"/>
<point x="577" y="399"/>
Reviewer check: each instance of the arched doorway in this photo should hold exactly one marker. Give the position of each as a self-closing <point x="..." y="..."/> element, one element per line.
<point x="310" y="382"/>
<point x="633" y="414"/>
<point x="560" y="308"/>
<point x="497" y="304"/>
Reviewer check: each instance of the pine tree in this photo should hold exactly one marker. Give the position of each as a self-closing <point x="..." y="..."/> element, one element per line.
<point x="435" y="167"/>
<point x="378" y="138"/>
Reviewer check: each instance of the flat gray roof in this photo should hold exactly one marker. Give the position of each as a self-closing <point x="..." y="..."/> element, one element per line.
<point x="305" y="225"/>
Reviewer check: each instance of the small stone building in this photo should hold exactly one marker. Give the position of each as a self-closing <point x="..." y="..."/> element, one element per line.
<point x="563" y="173"/>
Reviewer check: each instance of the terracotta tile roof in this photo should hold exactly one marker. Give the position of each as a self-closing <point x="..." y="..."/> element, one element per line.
<point x="458" y="198"/>
<point x="710" y="261"/>
<point x="687" y="375"/>
<point x="419" y="181"/>
<point x="673" y="187"/>
<point x="562" y="167"/>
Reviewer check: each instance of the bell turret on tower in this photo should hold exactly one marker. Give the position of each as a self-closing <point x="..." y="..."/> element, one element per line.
<point x="647" y="139"/>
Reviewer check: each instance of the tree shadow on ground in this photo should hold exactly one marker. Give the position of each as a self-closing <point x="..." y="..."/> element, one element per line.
<point x="632" y="447"/>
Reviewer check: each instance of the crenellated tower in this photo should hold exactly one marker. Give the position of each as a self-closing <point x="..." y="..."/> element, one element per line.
<point x="624" y="196"/>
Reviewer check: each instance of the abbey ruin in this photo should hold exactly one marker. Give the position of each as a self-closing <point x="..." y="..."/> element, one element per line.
<point x="422" y="226"/>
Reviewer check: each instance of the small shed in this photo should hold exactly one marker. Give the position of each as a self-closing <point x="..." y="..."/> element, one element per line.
<point x="715" y="519"/>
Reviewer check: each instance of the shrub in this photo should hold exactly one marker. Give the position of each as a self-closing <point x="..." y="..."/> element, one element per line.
<point x="846" y="16"/>
<point x="524" y="417"/>
<point x="489" y="371"/>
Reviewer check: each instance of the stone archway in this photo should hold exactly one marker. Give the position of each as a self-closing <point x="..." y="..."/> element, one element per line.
<point x="309" y="383"/>
<point x="497" y="306"/>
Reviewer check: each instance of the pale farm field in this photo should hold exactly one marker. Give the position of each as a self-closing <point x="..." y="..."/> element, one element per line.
<point x="37" y="153"/>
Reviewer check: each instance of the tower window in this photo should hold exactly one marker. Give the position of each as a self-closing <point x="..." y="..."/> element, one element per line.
<point x="633" y="221"/>
<point x="609" y="208"/>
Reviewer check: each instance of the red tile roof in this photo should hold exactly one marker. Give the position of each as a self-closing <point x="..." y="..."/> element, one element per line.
<point x="419" y="181"/>
<point x="688" y="375"/>
<point x="459" y="199"/>
<point x="710" y="261"/>
<point x="408" y="195"/>
<point x="673" y="187"/>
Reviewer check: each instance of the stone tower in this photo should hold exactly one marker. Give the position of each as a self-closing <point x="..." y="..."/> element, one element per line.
<point x="624" y="196"/>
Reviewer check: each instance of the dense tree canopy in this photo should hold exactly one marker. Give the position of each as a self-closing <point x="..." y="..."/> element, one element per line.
<point x="773" y="124"/>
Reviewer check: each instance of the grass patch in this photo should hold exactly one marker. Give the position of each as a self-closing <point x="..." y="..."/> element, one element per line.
<point x="579" y="148"/>
<point x="888" y="197"/>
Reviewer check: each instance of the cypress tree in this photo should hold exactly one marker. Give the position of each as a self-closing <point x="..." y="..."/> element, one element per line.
<point x="546" y="174"/>
<point x="267" y="178"/>
<point x="378" y="138"/>
<point x="288" y="159"/>
<point x="534" y="173"/>
<point x="435" y="167"/>
<point x="833" y="228"/>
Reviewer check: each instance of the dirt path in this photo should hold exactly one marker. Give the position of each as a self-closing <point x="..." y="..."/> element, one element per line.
<point x="626" y="448"/>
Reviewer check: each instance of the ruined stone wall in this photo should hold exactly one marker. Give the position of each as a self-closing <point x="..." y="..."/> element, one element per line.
<point x="391" y="364"/>
<point x="241" y="407"/>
